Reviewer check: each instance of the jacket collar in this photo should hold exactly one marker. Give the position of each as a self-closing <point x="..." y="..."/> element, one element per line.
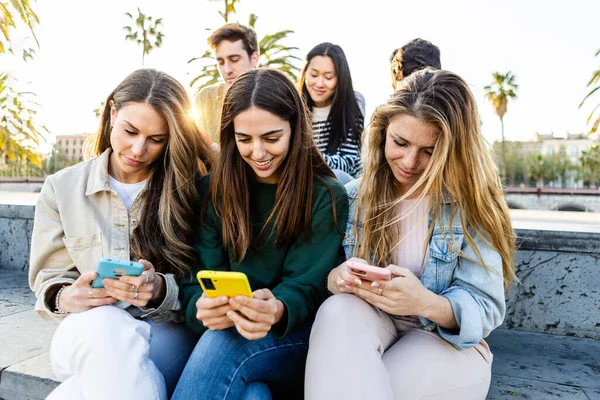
<point x="98" y="179"/>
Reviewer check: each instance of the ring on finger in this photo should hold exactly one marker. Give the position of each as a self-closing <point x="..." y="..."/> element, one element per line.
<point x="134" y="288"/>
<point x="91" y="294"/>
<point x="380" y="291"/>
<point x="135" y="295"/>
<point x="147" y="278"/>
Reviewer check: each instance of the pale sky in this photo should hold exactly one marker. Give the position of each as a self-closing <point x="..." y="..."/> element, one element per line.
<point x="549" y="46"/>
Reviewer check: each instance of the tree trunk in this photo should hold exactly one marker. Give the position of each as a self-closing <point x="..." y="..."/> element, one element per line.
<point x="503" y="168"/>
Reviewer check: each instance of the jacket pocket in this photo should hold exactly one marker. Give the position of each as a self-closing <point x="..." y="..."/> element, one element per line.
<point x="85" y="251"/>
<point x="445" y="258"/>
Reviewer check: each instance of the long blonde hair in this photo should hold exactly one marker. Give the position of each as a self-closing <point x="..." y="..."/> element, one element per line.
<point x="165" y="233"/>
<point x="461" y="172"/>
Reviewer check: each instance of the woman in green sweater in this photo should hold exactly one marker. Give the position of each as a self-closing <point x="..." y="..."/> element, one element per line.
<point x="276" y="213"/>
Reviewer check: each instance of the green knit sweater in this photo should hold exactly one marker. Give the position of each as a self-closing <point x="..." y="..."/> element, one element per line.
<point x="296" y="274"/>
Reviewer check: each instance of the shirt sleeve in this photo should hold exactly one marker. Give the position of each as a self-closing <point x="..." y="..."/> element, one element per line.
<point x="476" y="295"/>
<point x="308" y="262"/>
<point x="213" y="256"/>
<point x="50" y="264"/>
<point x="347" y="156"/>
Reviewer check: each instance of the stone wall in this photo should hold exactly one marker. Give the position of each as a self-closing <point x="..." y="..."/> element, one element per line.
<point x="16" y="225"/>
<point x="558" y="202"/>
<point x="559" y="289"/>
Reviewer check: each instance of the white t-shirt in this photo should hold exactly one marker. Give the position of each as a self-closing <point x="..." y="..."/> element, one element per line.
<point x="127" y="191"/>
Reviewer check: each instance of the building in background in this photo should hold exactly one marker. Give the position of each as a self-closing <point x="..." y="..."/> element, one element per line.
<point x="72" y="146"/>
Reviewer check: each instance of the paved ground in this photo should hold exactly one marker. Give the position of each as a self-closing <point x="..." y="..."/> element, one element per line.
<point x="526" y="365"/>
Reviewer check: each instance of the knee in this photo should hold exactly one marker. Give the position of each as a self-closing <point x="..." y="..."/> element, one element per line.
<point x="340" y="311"/>
<point x="103" y="327"/>
<point x="213" y="345"/>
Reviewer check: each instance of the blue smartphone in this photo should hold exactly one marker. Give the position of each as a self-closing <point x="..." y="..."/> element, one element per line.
<point x="114" y="268"/>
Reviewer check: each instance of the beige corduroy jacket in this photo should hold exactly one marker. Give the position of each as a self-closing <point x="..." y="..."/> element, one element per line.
<point x="78" y="220"/>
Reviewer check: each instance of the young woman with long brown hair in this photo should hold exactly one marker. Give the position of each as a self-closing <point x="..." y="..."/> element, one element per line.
<point x="430" y="210"/>
<point x="276" y="213"/>
<point x="136" y="200"/>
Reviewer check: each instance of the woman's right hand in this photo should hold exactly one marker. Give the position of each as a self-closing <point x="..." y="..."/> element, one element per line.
<point x="80" y="296"/>
<point x="212" y="312"/>
<point x="340" y="280"/>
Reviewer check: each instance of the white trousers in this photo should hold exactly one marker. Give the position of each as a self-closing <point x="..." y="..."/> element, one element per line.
<point x="103" y="354"/>
<point x="356" y="351"/>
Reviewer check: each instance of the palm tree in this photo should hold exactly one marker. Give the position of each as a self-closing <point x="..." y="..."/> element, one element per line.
<point x="145" y="31"/>
<point x="10" y="13"/>
<point x="272" y="54"/>
<point x="499" y="92"/>
<point x="594" y="85"/>
<point x="590" y="160"/>
<point x="20" y="135"/>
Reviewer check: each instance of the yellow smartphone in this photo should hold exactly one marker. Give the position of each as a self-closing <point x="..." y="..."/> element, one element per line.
<point x="224" y="283"/>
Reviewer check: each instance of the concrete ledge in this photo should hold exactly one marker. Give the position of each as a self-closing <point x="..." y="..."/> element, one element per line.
<point x="29" y="379"/>
<point x="563" y="241"/>
<point x="559" y="360"/>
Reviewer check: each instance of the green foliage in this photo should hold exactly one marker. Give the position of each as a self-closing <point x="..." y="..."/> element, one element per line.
<point x="273" y="54"/>
<point x="20" y="135"/>
<point x="590" y="161"/>
<point x="144" y="31"/>
<point x="537" y="168"/>
<point x="58" y="160"/>
<point x="594" y="85"/>
<point x="10" y="14"/>
<point x="550" y="168"/>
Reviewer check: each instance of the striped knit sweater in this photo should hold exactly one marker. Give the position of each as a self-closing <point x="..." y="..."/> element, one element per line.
<point x="347" y="156"/>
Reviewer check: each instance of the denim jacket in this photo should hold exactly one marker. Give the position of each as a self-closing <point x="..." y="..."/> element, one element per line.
<point x="475" y="293"/>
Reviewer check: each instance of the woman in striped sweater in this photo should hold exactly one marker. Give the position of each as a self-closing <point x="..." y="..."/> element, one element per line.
<point x="337" y="111"/>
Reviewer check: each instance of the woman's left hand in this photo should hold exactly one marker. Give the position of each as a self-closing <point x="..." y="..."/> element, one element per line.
<point x="254" y="316"/>
<point x="402" y="295"/>
<point x="138" y="290"/>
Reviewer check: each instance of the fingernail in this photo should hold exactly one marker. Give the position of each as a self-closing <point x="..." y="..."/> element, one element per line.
<point x="357" y="281"/>
<point x="375" y="284"/>
<point x="341" y="282"/>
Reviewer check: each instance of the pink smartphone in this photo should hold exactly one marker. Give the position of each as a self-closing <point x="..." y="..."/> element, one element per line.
<point x="368" y="272"/>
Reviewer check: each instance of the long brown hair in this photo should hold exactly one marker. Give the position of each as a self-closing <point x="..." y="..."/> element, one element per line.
<point x="271" y="91"/>
<point x="165" y="233"/>
<point x="461" y="171"/>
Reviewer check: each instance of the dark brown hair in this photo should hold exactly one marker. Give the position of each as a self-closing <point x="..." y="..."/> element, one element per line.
<point x="233" y="33"/>
<point x="272" y="91"/>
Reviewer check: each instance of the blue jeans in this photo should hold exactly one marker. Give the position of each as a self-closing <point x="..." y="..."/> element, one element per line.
<point x="170" y="347"/>
<point x="225" y="365"/>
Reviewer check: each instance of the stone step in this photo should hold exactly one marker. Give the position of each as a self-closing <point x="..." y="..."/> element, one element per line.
<point x="531" y="365"/>
<point x="526" y="365"/>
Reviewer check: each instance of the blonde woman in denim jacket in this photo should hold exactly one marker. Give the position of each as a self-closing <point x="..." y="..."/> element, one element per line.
<point x="429" y="209"/>
<point x="137" y="200"/>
